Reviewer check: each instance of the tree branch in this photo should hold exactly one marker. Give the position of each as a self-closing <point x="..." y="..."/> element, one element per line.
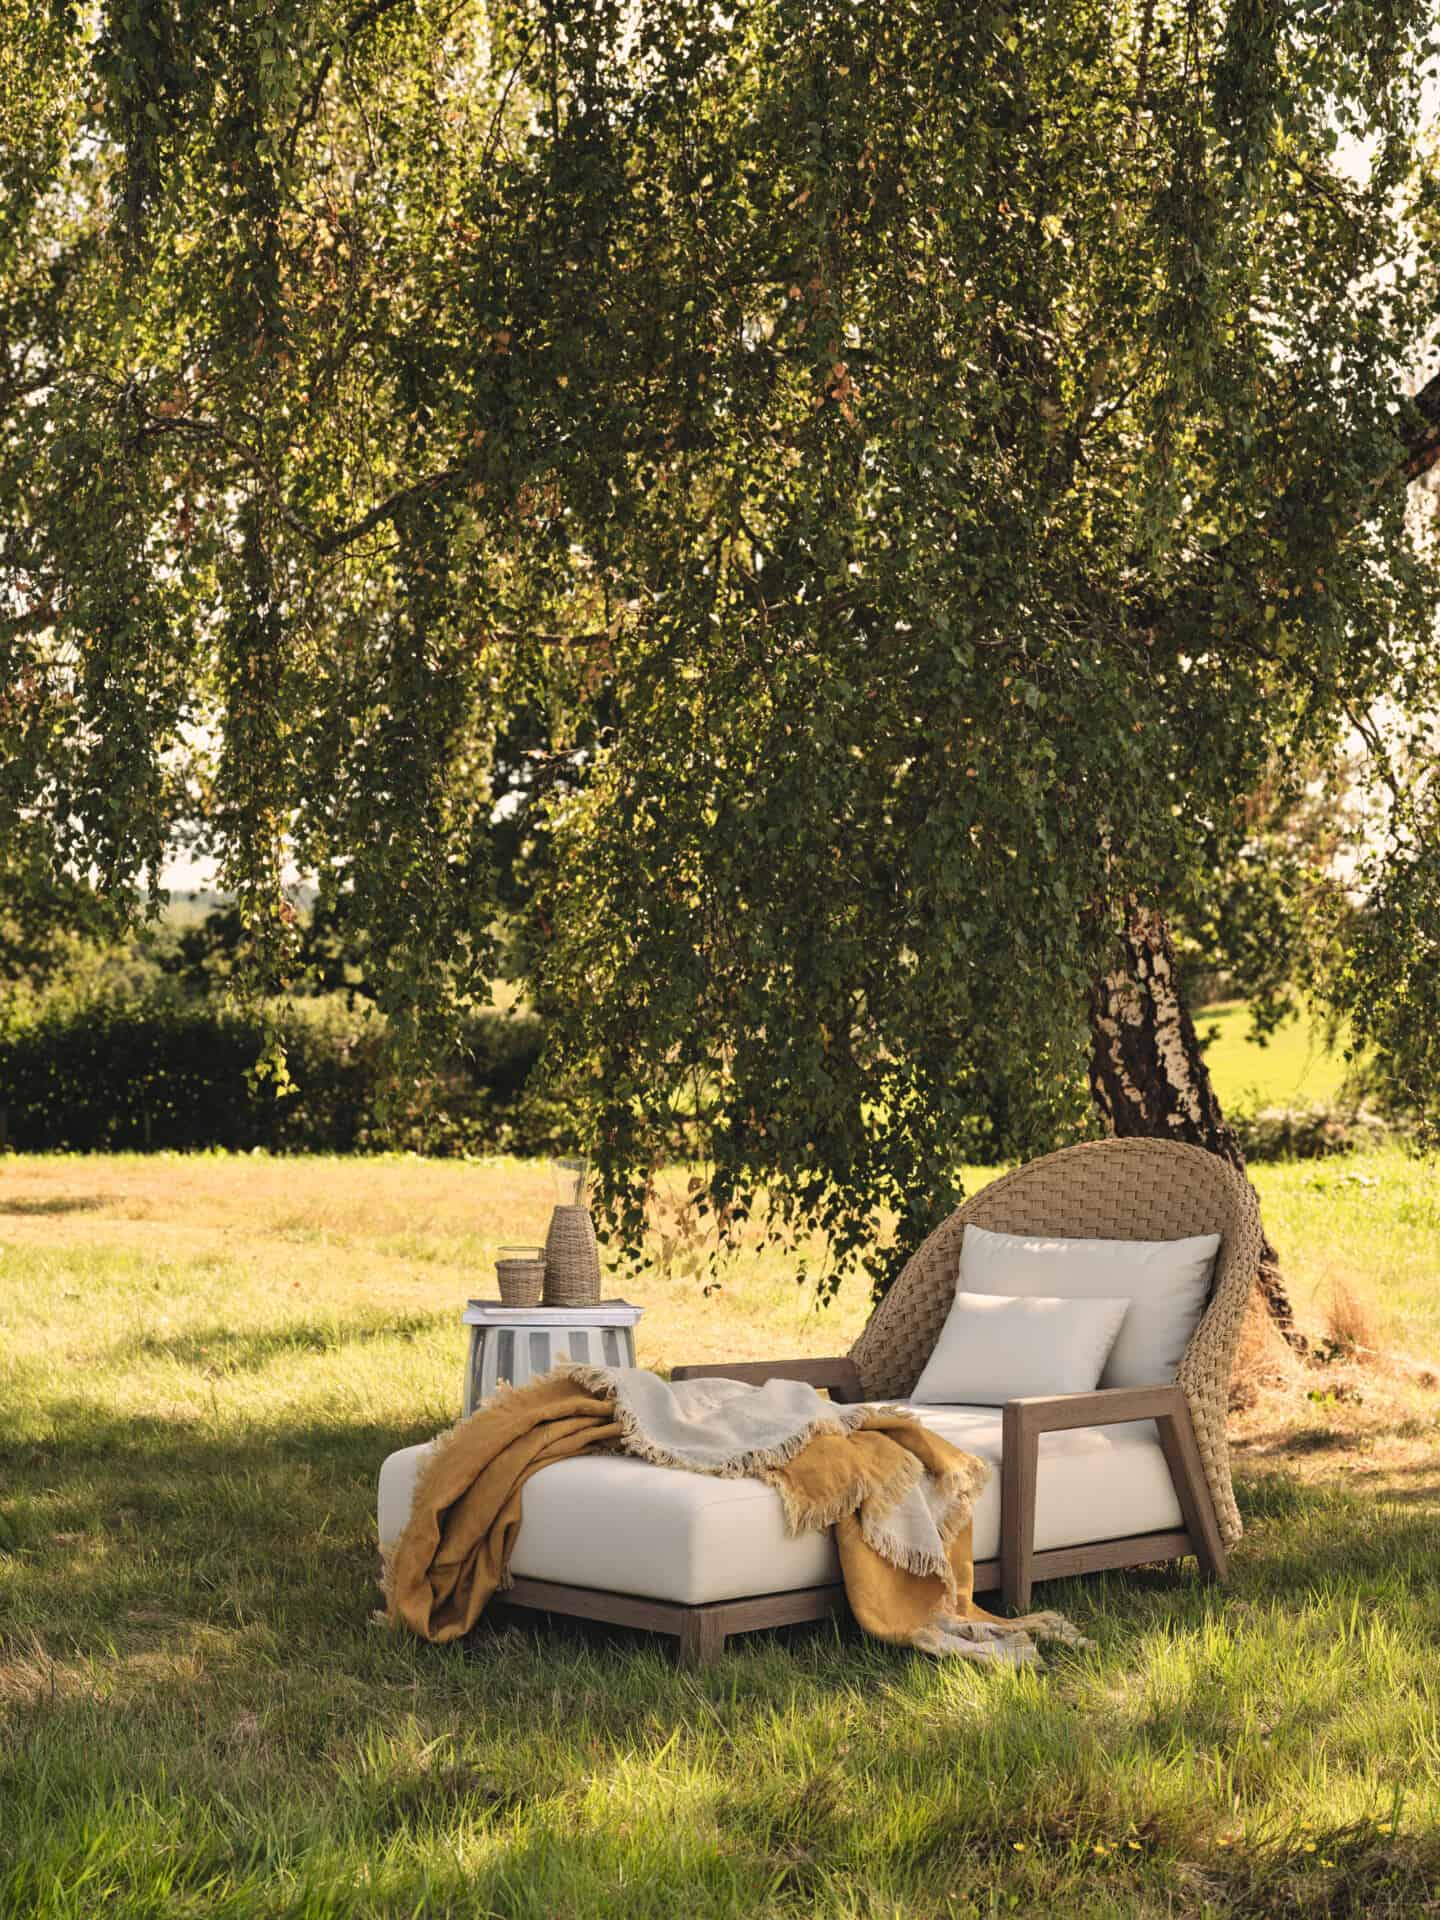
<point x="325" y="540"/>
<point x="357" y="24"/>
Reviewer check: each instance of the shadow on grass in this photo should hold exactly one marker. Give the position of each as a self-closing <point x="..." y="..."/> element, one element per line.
<point x="107" y="1517"/>
<point x="1313" y="1440"/>
<point x="231" y="1351"/>
<point x="1423" y="1477"/>
<point x="89" y="1459"/>
<point x="61" y="1203"/>
<point x="221" y="1521"/>
<point x="204" y="1589"/>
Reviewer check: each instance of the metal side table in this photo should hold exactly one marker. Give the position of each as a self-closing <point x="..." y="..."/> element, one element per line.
<point x="516" y="1344"/>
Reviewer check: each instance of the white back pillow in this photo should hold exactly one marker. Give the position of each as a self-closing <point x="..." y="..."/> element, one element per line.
<point x="993" y="1349"/>
<point x="1166" y="1282"/>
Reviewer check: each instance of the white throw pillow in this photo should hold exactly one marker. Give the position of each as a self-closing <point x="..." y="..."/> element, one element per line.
<point x="993" y="1349"/>
<point x="1167" y="1282"/>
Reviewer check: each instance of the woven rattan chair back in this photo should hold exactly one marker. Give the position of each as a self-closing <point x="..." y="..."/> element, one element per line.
<point x="1103" y="1190"/>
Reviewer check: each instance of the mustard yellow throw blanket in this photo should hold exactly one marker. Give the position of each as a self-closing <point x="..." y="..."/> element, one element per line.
<point x="898" y="1497"/>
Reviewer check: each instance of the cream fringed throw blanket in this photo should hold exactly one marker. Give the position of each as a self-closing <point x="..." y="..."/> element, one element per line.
<point x="898" y="1497"/>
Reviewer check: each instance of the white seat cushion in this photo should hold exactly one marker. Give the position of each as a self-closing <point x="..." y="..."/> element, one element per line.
<point x="607" y="1520"/>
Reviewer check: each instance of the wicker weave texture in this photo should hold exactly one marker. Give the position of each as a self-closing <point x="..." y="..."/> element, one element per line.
<point x="572" y="1259"/>
<point x="1104" y="1190"/>
<point x="521" y="1282"/>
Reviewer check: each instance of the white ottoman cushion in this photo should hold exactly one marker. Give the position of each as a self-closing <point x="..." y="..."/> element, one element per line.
<point x="607" y="1520"/>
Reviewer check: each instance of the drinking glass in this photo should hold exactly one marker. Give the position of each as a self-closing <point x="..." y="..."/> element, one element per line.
<point x="571" y="1178"/>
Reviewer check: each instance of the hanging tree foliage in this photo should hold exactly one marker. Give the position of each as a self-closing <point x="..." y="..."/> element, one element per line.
<point x="914" y="471"/>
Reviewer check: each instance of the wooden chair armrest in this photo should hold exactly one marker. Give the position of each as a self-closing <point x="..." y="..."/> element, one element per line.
<point x="1023" y="1422"/>
<point x="839" y="1375"/>
<point x="1107" y="1407"/>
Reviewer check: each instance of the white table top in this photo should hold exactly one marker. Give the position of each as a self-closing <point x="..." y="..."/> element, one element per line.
<point x="603" y="1313"/>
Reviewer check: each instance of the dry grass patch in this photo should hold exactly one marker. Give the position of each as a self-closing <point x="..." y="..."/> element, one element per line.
<point x="1351" y="1408"/>
<point x="1352" y="1324"/>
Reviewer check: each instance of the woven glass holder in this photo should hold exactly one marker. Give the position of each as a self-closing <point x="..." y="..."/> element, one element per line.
<point x="521" y="1282"/>
<point x="572" y="1259"/>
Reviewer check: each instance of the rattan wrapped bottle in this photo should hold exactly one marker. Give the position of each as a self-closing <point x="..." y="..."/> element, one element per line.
<point x="572" y="1253"/>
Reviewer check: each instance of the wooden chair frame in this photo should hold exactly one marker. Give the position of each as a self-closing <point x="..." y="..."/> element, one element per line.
<point x="701" y="1631"/>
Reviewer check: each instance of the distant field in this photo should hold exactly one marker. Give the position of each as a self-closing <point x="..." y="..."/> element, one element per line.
<point x="176" y="1241"/>
<point x="1293" y="1068"/>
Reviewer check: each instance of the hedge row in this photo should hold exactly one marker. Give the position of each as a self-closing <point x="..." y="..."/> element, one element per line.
<point x="112" y="1076"/>
<point x="1314" y="1132"/>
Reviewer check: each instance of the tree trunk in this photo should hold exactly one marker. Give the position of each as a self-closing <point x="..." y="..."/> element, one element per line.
<point x="1148" y="1075"/>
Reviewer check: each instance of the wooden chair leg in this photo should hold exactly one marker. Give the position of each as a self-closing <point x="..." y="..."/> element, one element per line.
<point x="1192" y="1490"/>
<point x="1019" y="1470"/>
<point x="702" y="1639"/>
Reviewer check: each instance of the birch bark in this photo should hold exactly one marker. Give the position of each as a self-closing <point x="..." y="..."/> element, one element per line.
<point x="1148" y="1075"/>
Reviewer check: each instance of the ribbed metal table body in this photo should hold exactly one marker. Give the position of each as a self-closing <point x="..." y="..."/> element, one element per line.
<point x="518" y="1344"/>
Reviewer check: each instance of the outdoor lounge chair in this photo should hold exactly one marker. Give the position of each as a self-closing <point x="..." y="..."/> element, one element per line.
<point x="1086" y="1481"/>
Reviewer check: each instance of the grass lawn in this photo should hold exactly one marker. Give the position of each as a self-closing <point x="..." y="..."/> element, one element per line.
<point x="204" y="1361"/>
<point x="1292" y="1068"/>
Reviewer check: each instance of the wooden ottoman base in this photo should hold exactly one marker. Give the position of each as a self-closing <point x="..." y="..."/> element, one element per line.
<point x="701" y="1631"/>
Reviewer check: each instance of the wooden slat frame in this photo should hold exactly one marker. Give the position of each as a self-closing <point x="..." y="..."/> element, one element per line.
<point x="838" y="1374"/>
<point x="1023" y="1422"/>
<point x="701" y="1631"/>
